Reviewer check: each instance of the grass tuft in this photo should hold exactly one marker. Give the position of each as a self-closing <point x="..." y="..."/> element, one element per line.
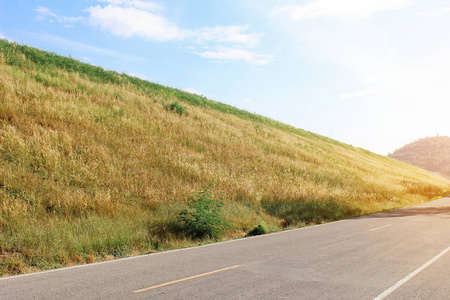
<point x="177" y="107"/>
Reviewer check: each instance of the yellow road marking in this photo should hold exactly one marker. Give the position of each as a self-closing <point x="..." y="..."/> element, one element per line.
<point x="184" y="279"/>
<point x="378" y="228"/>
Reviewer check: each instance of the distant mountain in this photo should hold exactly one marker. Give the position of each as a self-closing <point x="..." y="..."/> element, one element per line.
<point x="431" y="153"/>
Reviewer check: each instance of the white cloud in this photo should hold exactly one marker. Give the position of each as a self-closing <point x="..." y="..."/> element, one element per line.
<point x="130" y="21"/>
<point x="193" y="91"/>
<point x="140" y="76"/>
<point x="142" y="19"/>
<point x="2" y="36"/>
<point x="144" y="5"/>
<point x="227" y="54"/>
<point x="353" y="9"/>
<point x="227" y="34"/>
<point x="44" y="13"/>
<point x="127" y="18"/>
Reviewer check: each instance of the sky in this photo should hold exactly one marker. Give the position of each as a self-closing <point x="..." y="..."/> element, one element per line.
<point x="374" y="74"/>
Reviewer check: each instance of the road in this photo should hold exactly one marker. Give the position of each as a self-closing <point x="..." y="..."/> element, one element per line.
<point x="400" y="254"/>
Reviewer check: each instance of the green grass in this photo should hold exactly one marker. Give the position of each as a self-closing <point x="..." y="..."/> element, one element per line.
<point x="204" y="218"/>
<point x="93" y="166"/>
<point x="176" y="107"/>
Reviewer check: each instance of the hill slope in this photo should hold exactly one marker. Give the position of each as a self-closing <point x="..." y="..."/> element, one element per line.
<point x="432" y="154"/>
<point x="96" y="165"/>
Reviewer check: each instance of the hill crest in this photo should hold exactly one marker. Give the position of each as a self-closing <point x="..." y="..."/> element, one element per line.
<point x="430" y="153"/>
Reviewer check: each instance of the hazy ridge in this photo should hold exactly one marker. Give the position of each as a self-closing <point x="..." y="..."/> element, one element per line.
<point x="431" y="153"/>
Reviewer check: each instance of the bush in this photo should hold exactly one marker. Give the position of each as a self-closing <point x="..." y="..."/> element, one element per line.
<point x="177" y="107"/>
<point x="257" y="230"/>
<point x="203" y="217"/>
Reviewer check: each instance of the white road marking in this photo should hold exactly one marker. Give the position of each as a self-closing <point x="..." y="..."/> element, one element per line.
<point x="411" y="275"/>
<point x="378" y="228"/>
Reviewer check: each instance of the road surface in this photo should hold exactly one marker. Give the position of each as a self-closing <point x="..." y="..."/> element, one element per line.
<point x="401" y="254"/>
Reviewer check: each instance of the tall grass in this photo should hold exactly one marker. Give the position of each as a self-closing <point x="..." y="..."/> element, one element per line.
<point x="93" y="166"/>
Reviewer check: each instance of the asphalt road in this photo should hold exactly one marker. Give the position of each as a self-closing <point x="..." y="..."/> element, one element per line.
<point x="401" y="254"/>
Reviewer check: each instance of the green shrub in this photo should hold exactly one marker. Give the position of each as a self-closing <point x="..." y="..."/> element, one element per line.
<point x="177" y="107"/>
<point x="257" y="230"/>
<point x="203" y="217"/>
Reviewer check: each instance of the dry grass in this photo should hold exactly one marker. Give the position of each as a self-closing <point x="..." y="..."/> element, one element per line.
<point x="92" y="170"/>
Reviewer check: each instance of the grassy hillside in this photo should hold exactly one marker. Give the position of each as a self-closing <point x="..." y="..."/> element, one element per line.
<point x="432" y="154"/>
<point x="96" y="165"/>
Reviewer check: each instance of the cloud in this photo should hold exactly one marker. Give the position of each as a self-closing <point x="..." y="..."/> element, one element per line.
<point x="127" y="18"/>
<point x="227" y="34"/>
<point x="144" y="5"/>
<point x="130" y="21"/>
<point x="44" y="13"/>
<point x="192" y="91"/>
<point x="227" y="54"/>
<point x="140" y="76"/>
<point x="142" y="19"/>
<point x="351" y="9"/>
<point x="123" y="18"/>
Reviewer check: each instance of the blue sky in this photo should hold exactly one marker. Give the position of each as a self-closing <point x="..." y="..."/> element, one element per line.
<point x="371" y="73"/>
